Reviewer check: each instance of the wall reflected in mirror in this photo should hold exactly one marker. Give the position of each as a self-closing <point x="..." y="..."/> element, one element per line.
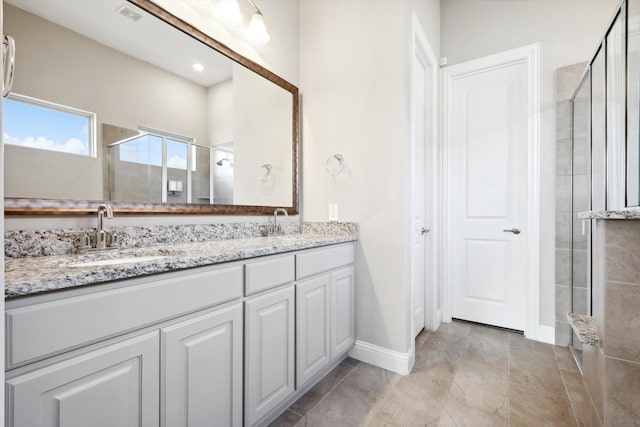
<point x="110" y="107"/>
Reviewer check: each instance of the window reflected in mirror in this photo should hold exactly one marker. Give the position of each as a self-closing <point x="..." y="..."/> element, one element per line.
<point x="35" y="123"/>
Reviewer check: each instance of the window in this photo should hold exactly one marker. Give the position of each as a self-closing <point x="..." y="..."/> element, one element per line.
<point x="148" y="147"/>
<point x="34" y="123"/>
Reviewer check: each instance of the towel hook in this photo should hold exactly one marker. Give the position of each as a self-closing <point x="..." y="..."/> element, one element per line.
<point x="335" y="164"/>
<point x="265" y="172"/>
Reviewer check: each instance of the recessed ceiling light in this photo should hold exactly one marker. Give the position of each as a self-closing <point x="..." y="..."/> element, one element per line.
<point x="128" y="12"/>
<point x="198" y="67"/>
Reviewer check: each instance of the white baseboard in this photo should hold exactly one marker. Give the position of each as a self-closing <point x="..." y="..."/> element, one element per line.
<point x="400" y="363"/>
<point x="546" y="334"/>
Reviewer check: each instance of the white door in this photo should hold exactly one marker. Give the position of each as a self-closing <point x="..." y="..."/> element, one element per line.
<point x="488" y="124"/>
<point x="418" y="219"/>
<point x="425" y="300"/>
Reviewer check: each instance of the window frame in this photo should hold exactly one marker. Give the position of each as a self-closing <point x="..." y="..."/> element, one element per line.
<point x="91" y="117"/>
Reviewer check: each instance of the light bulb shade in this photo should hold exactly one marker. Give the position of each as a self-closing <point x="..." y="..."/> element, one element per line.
<point x="229" y="11"/>
<point x="257" y="31"/>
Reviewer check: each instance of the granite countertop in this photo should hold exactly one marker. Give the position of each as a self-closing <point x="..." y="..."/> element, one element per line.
<point x="626" y="214"/>
<point x="33" y="275"/>
<point x="584" y="327"/>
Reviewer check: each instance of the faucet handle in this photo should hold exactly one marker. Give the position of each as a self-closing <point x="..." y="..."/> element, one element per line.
<point x="85" y="243"/>
<point x="114" y="240"/>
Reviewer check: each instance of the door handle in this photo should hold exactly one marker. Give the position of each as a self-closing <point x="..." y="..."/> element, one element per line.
<point x="424" y="231"/>
<point x="513" y="230"/>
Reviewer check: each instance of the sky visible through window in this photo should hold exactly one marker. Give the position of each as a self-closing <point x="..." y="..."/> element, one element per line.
<point x="35" y="126"/>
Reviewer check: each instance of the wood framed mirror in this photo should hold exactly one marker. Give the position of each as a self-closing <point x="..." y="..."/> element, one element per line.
<point x="121" y="102"/>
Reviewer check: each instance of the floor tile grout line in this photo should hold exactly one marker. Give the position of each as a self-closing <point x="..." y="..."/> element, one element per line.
<point x="508" y="381"/>
<point x="537" y="390"/>
<point x="566" y="389"/>
<point x="332" y="388"/>
<point x="297" y="413"/>
<point x="380" y="405"/>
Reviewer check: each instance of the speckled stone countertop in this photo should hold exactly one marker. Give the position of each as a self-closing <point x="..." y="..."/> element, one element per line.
<point x="609" y="215"/>
<point x="584" y="327"/>
<point x="33" y="275"/>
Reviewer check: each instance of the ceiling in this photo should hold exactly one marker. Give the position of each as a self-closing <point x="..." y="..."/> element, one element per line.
<point x="149" y="39"/>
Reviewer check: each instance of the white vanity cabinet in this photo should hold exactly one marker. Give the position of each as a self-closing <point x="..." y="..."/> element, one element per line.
<point x="324" y="321"/>
<point x="312" y="327"/>
<point x="269" y="352"/>
<point x="142" y="352"/>
<point x="342" y="311"/>
<point x="226" y="345"/>
<point x="202" y="370"/>
<point x="113" y="386"/>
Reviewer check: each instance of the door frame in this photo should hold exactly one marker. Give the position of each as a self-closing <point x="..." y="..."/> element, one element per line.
<point x="530" y="56"/>
<point x="421" y="50"/>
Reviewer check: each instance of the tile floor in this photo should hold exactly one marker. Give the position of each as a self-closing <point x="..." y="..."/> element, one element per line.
<point x="465" y="375"/>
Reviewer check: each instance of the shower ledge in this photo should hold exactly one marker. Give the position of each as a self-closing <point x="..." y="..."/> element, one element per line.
<point x="621" y="214"/>
<point x="584" y="327"/>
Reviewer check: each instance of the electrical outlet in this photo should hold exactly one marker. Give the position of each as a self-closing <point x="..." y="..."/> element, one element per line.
<point x="333" y="211"/>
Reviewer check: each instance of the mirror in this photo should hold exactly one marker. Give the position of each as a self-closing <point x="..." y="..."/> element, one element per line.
<point x="120" y="101"/>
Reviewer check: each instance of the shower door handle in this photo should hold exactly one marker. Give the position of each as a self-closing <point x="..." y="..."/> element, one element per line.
<point x="513" y="230"/>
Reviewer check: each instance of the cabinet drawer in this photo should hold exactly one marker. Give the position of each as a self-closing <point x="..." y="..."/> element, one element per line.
<point x="43" y="329"/>
<point x="320" y="260"/>
<point x="271" y="272"/>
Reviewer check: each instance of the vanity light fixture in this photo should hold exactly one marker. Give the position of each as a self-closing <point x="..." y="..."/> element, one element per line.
<point x="257" y="30"/>
<point x="229" y="11"/>
<point x="198" y="67"/>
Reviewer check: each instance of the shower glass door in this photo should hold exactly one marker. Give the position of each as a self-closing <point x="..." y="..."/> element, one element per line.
<point x="581" y="201"/>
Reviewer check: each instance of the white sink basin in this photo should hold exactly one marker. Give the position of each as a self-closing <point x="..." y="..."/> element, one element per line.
<point x="117" y="261"/>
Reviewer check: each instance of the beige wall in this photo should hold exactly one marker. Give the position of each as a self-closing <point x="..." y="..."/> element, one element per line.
<point x="262" y="135"/>
<point x="355" y="62"/>
<point x="220" y="112"/>
<point x="568" y="31"/>
<point x="58" y="65"/>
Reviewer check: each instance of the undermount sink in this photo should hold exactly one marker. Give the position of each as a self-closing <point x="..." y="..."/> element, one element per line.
<point x="116" y="261"/>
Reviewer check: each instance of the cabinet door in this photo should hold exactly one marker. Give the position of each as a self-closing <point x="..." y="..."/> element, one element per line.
<point x="114" y="386"/>
<point x="202" y="370"/>
<point x="269" y="352"/>
<point x="312" y="328"/>
<point x="342" y="311"/>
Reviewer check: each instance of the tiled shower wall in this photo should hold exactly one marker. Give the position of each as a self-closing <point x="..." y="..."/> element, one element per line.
<point x="622" y="324"/>
<point x="567" y="79"/>
<point x="612" y="369"/>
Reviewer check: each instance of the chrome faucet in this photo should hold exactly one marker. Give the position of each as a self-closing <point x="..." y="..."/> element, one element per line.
<point x="276" y="228"/>
<point x="103" y="239"/>
<point x="101" y="234"/>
